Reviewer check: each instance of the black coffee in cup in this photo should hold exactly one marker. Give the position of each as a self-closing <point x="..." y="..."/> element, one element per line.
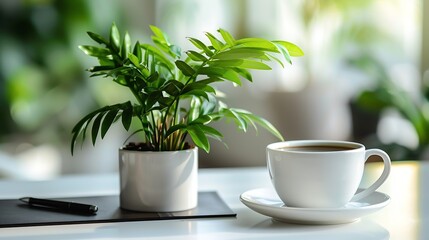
<point x="316" y="148"/>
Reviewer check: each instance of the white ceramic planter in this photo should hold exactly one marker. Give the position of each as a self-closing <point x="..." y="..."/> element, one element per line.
<point x="158" y="181"/>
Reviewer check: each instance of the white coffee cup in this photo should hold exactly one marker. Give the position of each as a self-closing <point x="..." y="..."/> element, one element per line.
<point x="321" y="173"/>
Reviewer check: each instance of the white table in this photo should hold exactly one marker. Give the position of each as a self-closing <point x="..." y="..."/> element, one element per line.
<point x="406" y="217"/>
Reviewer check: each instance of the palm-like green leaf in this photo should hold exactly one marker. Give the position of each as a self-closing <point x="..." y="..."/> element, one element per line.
<point x="241" y="53"/>
<point x="134" y="59"/>
<point x="127" y="116"/>
<point x="109" y="113"/>
<point x="126" y="46"/>
<point x="200" y="45"/>
<point x="293" y="49"/>
<point x="284" y="52"/>
<point x="218" y="45"/>
<point x="185" y="68"/>
<point x="257" y="43"/>
<point x="199" y="137"/>
<point x="196" y="56"/>
<point x="96" y="127"/>
<point x="220" y="72"/>
<point x="99" y="39"/>
<point x="211" y="132"/>
<point x="115" y="38"/>
<point x="157" y="54"/>
<point x="229" y="39"/>
<point x="239" y="121"/>
<point x="265" y="124"/>
<point x="95" y="51"/>
<point x="174" y="97"/>
<point x="160" y="39"/>
<point x="242" y="63"/>
<point x="107" y="121"/>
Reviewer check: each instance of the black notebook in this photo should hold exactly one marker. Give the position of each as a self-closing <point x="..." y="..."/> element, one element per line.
<point x="14" y="213"/>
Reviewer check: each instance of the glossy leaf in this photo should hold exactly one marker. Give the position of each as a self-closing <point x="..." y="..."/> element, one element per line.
<point x="249" y="64"/>
<point x="153" y="77"/>
<point x="108" y="120"/>
<point x="165" y="101"/>
<point x="174" y="128"/>
<point x="194" y="112"/>
<point x="99" y="39"/>
<point x="265" y="124"/>
<point x="95" y="51"/>
<point x="196" y="56"/>
<point x="212" y="132"/>
<point x="185" y="68"/>
<point x="199" y="137"/>
<point x="196" y="92"/>
<point x="176" y="50"/>
<point x="173" y="87"/>
<point x="218" y="45"/>
<point x="120" y="80"/>
<point x="153" y="99"/>
<point x="284" y="52"/>
<point x="134" y="59"/>
<point x="106" y="61"/>
<point x="271" y="57"/>
<point x="293" y="49"/>
<point x="202" y="119"/>
<point x="101" y="68"/>
<point x="240" y="122"/>
<point x="229" y="39"/>
<point x="162" y="45"/>
<point x="198" y="86"/>
<point x="77" y="130"/>
<point x="127" y="116"/>
<point x="249" y="121"/>
<point x="161" y="40"/>
<point x="96" y="127"/>
<point x="208" y="81"/>
<point x="200" y="45"/>
<point x="97" y="74"/>
<point x="159" y="55"/>
<point x="240" y="53"/>
<point x="224" y="73"/>
<point x="208" y="107"/>
<point x="244" y="73"/>
<point x="137" y="51"/>
<point x="126" y="46"/>
<point x="158" y="33"/>
<point x="115" y="38"/>
<point x="257" y="43"/>
<point x="80" y="127"/>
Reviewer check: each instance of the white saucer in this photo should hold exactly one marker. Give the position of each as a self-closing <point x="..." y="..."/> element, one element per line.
<point x="266" y="201"/>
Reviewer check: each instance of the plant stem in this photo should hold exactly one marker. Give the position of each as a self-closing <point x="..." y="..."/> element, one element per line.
<point x="154" y="138"/>
<point x="176" y="101"/>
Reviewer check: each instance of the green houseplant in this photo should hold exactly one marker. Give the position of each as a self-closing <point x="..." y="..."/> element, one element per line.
<point x="175" y="96"/>
<point x="386" y="94"/>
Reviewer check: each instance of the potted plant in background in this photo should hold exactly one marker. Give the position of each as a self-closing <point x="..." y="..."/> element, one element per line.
<point x="387" y="94"/>
<point x="172" y="98"/>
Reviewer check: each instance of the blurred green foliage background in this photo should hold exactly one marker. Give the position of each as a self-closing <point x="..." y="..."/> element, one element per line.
<point x="43" y="85"/>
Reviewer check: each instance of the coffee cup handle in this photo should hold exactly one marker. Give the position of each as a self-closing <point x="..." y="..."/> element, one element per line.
<point x="381" y="179"/>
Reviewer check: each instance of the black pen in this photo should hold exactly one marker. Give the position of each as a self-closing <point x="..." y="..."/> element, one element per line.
<point x="71" y="207"/>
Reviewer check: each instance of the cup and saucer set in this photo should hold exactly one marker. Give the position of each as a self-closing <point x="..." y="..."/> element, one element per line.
<point x="316" y="182"/>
